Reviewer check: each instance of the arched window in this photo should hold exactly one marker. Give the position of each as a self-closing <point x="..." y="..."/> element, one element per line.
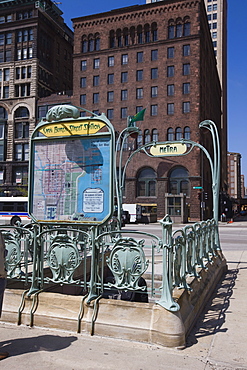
<point x="179" y="30"/>
<point x="132" y="35"/>
<point x="171" y="29"/>
<point x="84" y="44"/>
<point x="97" y="42"/>
<point x="179" y="181"/>
<point x="155" y="135"/>
<point x="187" y="133"/>
<point x="90" y="43"/>
<point x="3" y="114"/>
<point x="154" y="31"/>
<point x="112" y="39"/>
<point x="139" y="35"/>
<point x="139" y="139"/>
<point x="146" y="136"/>
<point x="146" y="183"/>
<point x="179" y="133"/>
<point x="170" y="134"/>
<point x="126" y="36"/>
<point x="21" y="117"/>
<point x="187" y="29"/>
<point x="119" y="38"/>
<point x="147" y="33"/>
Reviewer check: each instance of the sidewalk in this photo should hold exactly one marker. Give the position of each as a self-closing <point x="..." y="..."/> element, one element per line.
<point x="218" y="341"/>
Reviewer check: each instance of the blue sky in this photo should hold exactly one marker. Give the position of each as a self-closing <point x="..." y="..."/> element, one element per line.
<point x="237" y="62"/>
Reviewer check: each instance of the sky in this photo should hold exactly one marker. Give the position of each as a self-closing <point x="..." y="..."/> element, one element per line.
<point x="237" y="62"/>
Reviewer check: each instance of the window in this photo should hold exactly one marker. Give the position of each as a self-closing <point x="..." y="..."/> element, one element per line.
<point x="96" y="98"/>
<point x="178" y="182"/>
<point x="170" y="52"/>
<point x="186" y="107"/>
<point x="96" y="63"/>
<point x="22" y="90"/>
<point x="155" y="135"/>
<point x="125" y="59"/>
<point x="154" y="54"/>
<point x="95" y="80"/>
<point x="154" y="110"/>
<point x="187" y="133"/>
<point x="110" y="78"/>
<point x="214" y="25"/>
<point x="214" y="35"/>
<point x="215" y="44"/>
<point x="170" y="71"/>
<point x="154" y="73"/>
<point x="83" y="99"/>
<point x="179" y="30"/>
<point x="139" y="57"/>
<point x="110" y="61"/>
<point x="139" y="75"/>
<point x="170" y="134"/>
<point x="139" y="93"/>
<point x="154" y="91"/>
<point x="214" y="15"/>
<point x="6" y="74"/>
<point x="20" y="175"/>
<point x="170" y="90"/>
<point x="209" y="8"/>
<point x="178" y="133"/>
<point x="186" y="88"/>
<point x="187" y="29"/>
<point x="209" y="17"/>
<point x="139" y="108"/>
<point x="170" y="108"/>
<point x="124" y="94"/>
<point x="139" y="139"/>
<point x="83" y="65"/>
<point x="186" y="50"/>
<point x="9" y="38"/>
<point x="6" y="92"/>
<point x="146" y="183"/>
<point x="214" y="6"/>
<point x="83" y="81"/>
<point x="110" y="96"/>
<point x="21" y="130"/>
<point x="110" y="113"/>
<point x="124" y="112"/>
<point x="171" y="31"/>
<point x="21" y="152"/>
<point x="147" y="136"/>
<point x="124" y="77"/>
<point x="186" y="69"/>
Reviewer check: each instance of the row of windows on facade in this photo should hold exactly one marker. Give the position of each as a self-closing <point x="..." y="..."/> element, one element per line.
<point x="25" y="14"/>
<point x="139" y="93"/>
<point x="6" y="38"/>
<point x="170" y="72"/>
<point x="21" y="90"/>
<point x="139" y="57"/>
<point x="212" y="7"/>
<point x="186" y="108"/>
<point x="135" y="35"/>
<point x="21" y="54"/>
<point x="20" y="73"/>
<point x="178" y="182"/>
<point x="147" y="136"/>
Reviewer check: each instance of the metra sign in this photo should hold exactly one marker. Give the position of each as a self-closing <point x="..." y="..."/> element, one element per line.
<point x="85" y="127"/>
<point x="168" y="149"/>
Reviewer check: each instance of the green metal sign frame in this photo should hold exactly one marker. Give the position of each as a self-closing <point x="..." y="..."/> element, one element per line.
<point x="72" y="170"/>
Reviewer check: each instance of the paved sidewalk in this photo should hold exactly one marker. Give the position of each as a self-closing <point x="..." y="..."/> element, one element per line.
<point x="218" y="341"/>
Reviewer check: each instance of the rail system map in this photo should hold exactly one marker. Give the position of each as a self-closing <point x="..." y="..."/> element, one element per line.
<point x="71" y="179"/>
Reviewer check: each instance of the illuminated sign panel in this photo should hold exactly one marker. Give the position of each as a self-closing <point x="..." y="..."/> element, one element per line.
<point x="168" y="149"/>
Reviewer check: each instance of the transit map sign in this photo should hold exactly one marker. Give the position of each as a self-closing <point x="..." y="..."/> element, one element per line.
<point x="71" y="173"/>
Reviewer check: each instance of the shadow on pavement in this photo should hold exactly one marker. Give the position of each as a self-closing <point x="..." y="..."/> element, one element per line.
<point x="213" y="316"/>
<point x="34" y="344"/>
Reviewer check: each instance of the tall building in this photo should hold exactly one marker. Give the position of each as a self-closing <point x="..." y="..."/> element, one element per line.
<point x="234" y="176"/>
<point x="217" y="20"/>
<point x="157" y="56"/>
<point x="36" y="50"/>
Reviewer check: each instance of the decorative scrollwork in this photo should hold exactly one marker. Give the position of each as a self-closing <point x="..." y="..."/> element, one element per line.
<point x="127" y="262"/>
<point x="14" y="255"/>
<point x="63" y="259"/>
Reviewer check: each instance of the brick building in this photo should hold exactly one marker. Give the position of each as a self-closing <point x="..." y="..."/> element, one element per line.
<point x="157" y="56"/>
<point x="36" y="49"/>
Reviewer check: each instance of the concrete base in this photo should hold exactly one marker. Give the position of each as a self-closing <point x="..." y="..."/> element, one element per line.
<point x="144" y="322"/>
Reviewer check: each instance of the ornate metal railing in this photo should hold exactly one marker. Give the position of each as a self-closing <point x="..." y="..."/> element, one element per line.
<point x="110" y="262"/>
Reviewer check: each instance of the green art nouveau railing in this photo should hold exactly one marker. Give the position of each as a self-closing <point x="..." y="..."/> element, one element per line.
<point x="130" y="265"/>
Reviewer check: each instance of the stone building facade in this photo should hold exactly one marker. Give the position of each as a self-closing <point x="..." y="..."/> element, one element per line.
<point x="157" y="56"/>
<point x="36" y="50"/>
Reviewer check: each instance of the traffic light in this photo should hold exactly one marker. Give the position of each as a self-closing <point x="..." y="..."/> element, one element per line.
<point x="205" y="196"/>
